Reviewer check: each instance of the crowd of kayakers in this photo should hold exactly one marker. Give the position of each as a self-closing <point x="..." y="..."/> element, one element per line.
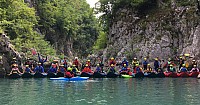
<point x="71" y="69"/>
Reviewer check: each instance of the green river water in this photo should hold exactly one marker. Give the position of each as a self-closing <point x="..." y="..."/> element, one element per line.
<point x="114" y="91"/>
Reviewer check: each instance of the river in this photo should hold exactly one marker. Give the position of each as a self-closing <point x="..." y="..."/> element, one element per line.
<point x="114" y="91"/>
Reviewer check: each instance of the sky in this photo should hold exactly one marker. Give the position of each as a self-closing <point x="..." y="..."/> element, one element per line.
<point x="92" y="2"/>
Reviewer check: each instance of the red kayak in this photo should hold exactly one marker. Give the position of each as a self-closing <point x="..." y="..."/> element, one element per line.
<point x="170" y="74"/>
<point x="183" y="74"/>
<point x="194" y="74"/>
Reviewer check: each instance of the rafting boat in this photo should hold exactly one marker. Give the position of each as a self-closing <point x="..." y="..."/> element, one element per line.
<point x="183" y="74"/>
<point x="84" y="74"/>
<point x="111" y="75"/>
<point x="99" y="75"/>
<point x="127" y="76"/>
<point x="51" y="75"/>
<point x="171" y="74"/>
<point x="194" y="74"/>
<point x="14" y="76"/>
<point x="27" y="75"/>
<point x="139" y="75"/>
<point x="71" y="79"/>
<point x="39" y="75"/>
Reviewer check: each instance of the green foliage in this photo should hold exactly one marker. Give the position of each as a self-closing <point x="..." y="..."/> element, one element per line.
<point x="68" y="21"/>
<point x="101" y="41"/>
<point x="18" y="21"/>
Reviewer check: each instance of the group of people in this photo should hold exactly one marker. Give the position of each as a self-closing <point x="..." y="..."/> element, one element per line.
<point x="71" y="69"/>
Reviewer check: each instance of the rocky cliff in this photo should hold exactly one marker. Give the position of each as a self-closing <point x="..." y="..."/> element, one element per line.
<point x="163" y="32"/>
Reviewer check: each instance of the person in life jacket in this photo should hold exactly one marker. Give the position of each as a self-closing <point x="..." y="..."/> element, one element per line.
<point x="27" y="69"/>
<point x="87" y="69"/>
<point x="125" y="61"/>
<point x="52" y="69"/>
<point x="172" y="69"/>
<point x="64" y="62"/>
<point x="98" y="69"/>
<point x="28" y="62"/>
<point x="156" y="64"/>
<point x="124" y="69"/>
<point x="134" y="62"/>
<point x="88" y="63"/>
<point x="76" y="62"/>
<point x="129" y="71"/>
<point x="112" y="69"/>
<point x="42" y="60"/>
<point x="14" y="61"/>
<point x="183" y="68"/>
<point x="149" y="69"/>
<point x="180" y="62"/>
<point x="137" y="69"/>
<point x="195" y="69"/>
<point x="112" y="61"/>
<point x="39" y="68"/>
<point x="74" y="69"/>
<point x="145" y="64"/>
<point x="69" y="73"/>
<point x="15" y="69"/>
<point x="61" y="69"/>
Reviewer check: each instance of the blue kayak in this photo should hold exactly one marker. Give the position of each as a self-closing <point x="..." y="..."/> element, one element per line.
<point x="71" y="79"/>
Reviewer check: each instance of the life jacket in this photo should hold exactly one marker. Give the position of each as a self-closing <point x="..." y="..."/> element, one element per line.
<point x="87" y="70"/>
<point x="76" y="62"/>
<point x="112" y="69"/>
<point x="62" y="70"/>
<point x="112" y="62"/>
<point x="183" y="69"/>
<point x="98" y="69"/>
<point x="28" y="70"/>
<point x="68" y="74"/>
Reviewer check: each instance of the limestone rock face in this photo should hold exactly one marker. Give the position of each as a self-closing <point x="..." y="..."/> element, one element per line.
<point x="163" y="34"/>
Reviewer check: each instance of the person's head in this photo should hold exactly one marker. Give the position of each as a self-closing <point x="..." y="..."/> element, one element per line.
<point x="171" y="65"/>
<point x="183" y="65"/>
<point x="14" y="65"/>
<point x="86" y="65"/>
<point x="180" y="57"/>
<point x="156" y="59"/>
<point x="145" y="59"/>
<point x="27" y="66"/>
<point x="124" y="65"/>
<point x="14" y="58"/>
<point x="195" y="66"/>
<point x="39" y="64"/>
<point x="61" y="66"/>
<point x="112" y="58"/>
<point x="169" y="59"/>
<point x="193" y="60"/>
<point x="76" y="58"/>
<point x="112" y="65"/>
<point x="88" y="60"/>
<point x="98" y="65"/>
<point x="148" y="65"/>
<point x="137" y="65"/>
<point x="73" y="66"/>
<point x="135" y="58"/>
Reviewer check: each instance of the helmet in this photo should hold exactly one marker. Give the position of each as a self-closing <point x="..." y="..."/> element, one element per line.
<point x="180" y="57"/>
<point x="156" y="59"/>
<point x="145" y="58"/>
<point x="27" y="65"/>
<point x="112" y="65"/>
<point x="137" y="65"/>
<point x="112" y="58"/>
<point x="97" y="64"/>
<point x="169" y="59"/>
<point x="76" y="57"/>
<point x="39" y="63"/>
<point x="73" y="65"/>
<point x="183" y="65"/>
<point x="124" y="64"/>
<point x="14" y="58"/>
<point x="193" y="60"/>
<point x="86" y="65"/>
<point x="195" y="65"/>
<point x="148" y="64"/>
<point x="88" y="60"/>
<point x="14" y="65"/>
<point x="134" y="58"/>
<point x="62" y="65"/>
<point x="171" y="65"/>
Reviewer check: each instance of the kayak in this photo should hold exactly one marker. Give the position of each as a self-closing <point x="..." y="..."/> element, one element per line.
<point x="71" y="79"/>
<point x="160" y="75"/>
<point x="194" y="74"/>
<point x="183" y="74"/>
<point x="27" y="75"/>
<point x="84" y="74"/>
<point x="112" y="75"/>
<point x="39" y="75"/>
<point x="139" y="75"/>
<point x="170" y="74"/>
<point x="14" y="76"/>
<point x="59" y="74"/>
<point x="51" y="75"/>
<point x="99" y="75"/>
<point x="127" y="76"/>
